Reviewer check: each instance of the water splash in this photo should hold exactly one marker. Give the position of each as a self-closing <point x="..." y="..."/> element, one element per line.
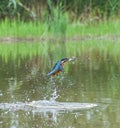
<point x="54" y="95"/>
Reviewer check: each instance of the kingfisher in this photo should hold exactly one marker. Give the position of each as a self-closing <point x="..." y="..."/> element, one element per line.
<point x="59" y="66"/>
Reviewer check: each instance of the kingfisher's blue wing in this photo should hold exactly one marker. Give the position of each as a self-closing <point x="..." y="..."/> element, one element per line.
<point x="57" y="67"/>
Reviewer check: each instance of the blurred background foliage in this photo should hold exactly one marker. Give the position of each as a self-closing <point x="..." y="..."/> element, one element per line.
<point x="43" y="9"/>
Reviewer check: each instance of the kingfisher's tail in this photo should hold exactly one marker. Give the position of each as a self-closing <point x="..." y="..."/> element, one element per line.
<point x="50" y="73"/>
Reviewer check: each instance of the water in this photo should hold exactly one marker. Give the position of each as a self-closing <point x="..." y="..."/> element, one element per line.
<point x="86" y="95"/>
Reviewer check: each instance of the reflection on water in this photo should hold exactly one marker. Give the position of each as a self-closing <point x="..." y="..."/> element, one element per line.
<point x="93" y="81"/>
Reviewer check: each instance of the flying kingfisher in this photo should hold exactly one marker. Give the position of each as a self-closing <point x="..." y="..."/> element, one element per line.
<point x="58" y="67"/>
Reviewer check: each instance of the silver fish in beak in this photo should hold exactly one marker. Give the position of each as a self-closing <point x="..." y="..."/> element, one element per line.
<point x="72" y="59"/>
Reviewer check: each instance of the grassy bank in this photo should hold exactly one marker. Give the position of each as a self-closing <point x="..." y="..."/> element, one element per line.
<point x="57" y="28"/>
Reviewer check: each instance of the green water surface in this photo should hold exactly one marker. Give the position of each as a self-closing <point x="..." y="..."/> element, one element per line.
<point x="94" y="77"/>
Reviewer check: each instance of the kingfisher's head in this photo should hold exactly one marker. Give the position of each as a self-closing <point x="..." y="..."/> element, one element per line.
<point x="67" y="59"/>
<point x="64" y="60"/>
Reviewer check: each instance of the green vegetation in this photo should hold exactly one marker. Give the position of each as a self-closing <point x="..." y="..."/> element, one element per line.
<point x="78" y="9"/>
<point x="57" y="28"/>
<point x="58" y="20"/>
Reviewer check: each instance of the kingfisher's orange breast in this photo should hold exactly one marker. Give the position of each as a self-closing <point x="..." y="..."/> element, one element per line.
<point x="55" y="73"/>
